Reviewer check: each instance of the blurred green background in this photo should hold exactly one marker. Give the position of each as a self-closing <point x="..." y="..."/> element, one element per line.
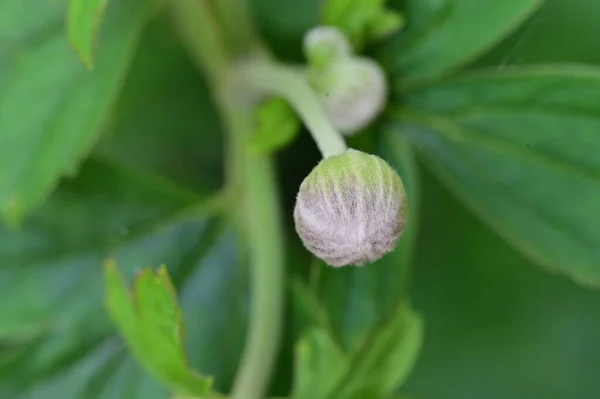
<point x="496" y="325"/>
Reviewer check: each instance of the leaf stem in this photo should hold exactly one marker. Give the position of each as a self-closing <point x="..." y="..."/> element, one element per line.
<point x="291" y="84"/>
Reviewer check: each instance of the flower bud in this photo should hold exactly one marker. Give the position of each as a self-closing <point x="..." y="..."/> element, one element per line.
<point x="353" y="92"/>
<point x="324" y="44"/>
<point x="351" y="209"/>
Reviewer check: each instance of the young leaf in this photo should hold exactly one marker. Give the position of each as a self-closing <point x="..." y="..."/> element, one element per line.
<point x="151" y="324"/>
<point x="361" y="20"/>
<point x="83" y="22"/>
<point x="445" y="34"/>
<point x="388" y="358"/>
<point x="278" y="125"/>
<point x="65" y="104"/>
<point x="520" y="149"/>
<point x="51" y="268"/>
<point x="320" y="365"/>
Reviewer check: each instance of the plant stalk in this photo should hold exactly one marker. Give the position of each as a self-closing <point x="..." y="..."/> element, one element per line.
<point x="268" y="77"/>
<point x="253" y="186"/>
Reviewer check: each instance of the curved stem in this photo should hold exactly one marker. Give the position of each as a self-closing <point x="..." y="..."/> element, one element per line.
<point x="289" y="83"/>
<point x="252" y="183"/>
<point x="261" y="218"/>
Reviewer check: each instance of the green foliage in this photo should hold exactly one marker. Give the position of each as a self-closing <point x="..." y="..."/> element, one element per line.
<point x="65" y="105"/>
<point x="124" y="161"/>
<point x="83" y="22"/>
<point x="446" y="34"/>
<point x="519" y="148"/>
<point x="363" y="21"/>
<point x="278" y="125"/>
<point x="373" y="370"/>
<point x="150" y="320"/>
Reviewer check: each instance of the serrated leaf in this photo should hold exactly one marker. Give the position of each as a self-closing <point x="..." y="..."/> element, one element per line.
<point x="83" y="22"/>
<point x="64" y="103"/>
<point x="151" y="323"/>
<point x="320" y="365"/>
<point x="278" y="125"/>
<point x="445" y="34"/>
<point x="51" y="269"/>
<point x="520" y="149"/>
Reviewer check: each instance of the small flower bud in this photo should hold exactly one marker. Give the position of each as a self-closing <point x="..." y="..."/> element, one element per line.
<point x="324" y="44"/>
<point x="353" y="92"/>
<point x="351" y="209"/>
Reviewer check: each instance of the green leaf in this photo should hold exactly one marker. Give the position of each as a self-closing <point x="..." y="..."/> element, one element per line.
<point x="278" y="125"/>
<point x="152" y="325"/>
<point x="445" y="34"/>
<point x="51" y="269"/>
<point x="520" y="149"/>
<point x="361" y="20"/>
<point x="374" y="370"/>
<point x="83" y="22"/>
<point x="65" y="104"/>
<point x="165" y="120"/>
<point x="486" y="304"/>
<point x="387" y="359"/>
<point x="359" y="298"/>
<point x="320" y="365"/>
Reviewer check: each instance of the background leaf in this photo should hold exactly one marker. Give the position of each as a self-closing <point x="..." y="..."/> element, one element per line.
<point x="65" y="104"/>
<point x="497" y="327"/>
<point x="83" y="22"/>
<point x="150" y="321"/>
<point x="165" y="120"/>
<point x="445" y="34"/>
<point x="52" y="270"/>
<point x="519" y="148"/>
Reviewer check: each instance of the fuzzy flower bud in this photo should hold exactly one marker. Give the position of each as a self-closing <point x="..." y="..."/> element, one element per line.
<point x="351" y="209"/>
<point x="353" y="92"/>
<point x="324" y="44"/>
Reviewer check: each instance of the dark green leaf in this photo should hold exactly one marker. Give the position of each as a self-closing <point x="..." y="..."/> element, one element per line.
<point x="445" y="34"/>
<point x="278" y="125"/>
<point x="151" y="323"/>
<point x="52" y="271"/>
<point x="83" y="22"/>
<point x="65" y="105"/>
<point x="165" y="119"/>
<point x="496" y="325"/>
<point x="520" y="149"/>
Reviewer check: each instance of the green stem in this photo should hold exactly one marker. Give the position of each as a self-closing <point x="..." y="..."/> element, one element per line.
<point x="199" y="30"/>
<point x="238" y="23"/>
<point x="291" y="84"/>
<point x="253" y="185"/>
<point x="261" y="217"/>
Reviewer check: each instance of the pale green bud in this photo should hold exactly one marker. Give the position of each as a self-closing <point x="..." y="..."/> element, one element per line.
<point x="353" y="92"/>
<point x="351" y="209"/>
<point x="324" y="44"/>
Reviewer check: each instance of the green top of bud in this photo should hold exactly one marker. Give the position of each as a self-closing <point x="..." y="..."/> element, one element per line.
<point x="324" y="44"/>
<point x="353" y="92"/>
<point x="351" y="209"/>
